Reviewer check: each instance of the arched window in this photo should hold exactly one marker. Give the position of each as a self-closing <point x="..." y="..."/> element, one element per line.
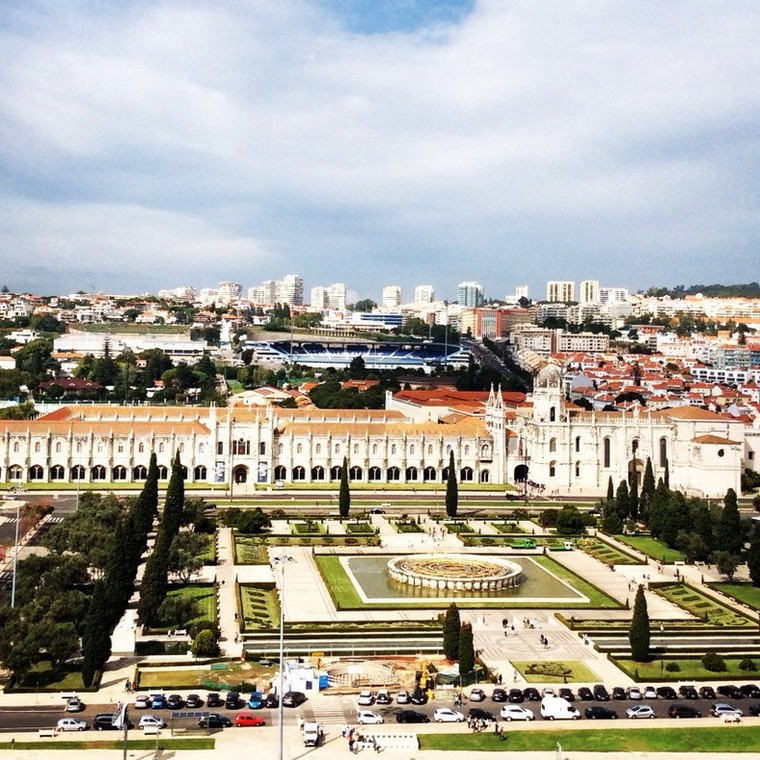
<point x="448" y="449"/>
<point x="337" y="448"/>
<point x="552" y="445"/>
<point x="355" y="473"/>
<point x="299" y="448"/>
<point x="374" y="448"/>
<point x="119" y="473"/>
<point x="98" y="472"/>
<point x="430" y="450"/>
<point x="200" y="472"/>
<point x="262" y="448"/>
<point x="77" y="472"/>
<point x="466" y="450"/>
<point x="552" y="469"/>
<point x="37" y="447"/>
<point x="57" y="472"/>
<point x="412" y="474"/>
<point x="279" y="448"/>
<point x="318" y="473"/>
<point x="607" y="455"/>
<point x="634" y="446"/>
<point x="394" y="473"/>
<point x="163" y="472"/>
<point x="466" y="474"/>
<point x="374" y="473"/>
<point x="335" y="472"/>
<point x="577" y="469"/>
<point x="160" y="448"/>
<point x="15" y="472"/>
<point x="16" y="447"/>
<point x="485" y="476"/>
<point x="411" y="450"/>
<point x="428" y="474"/>
<point x="79" y="447"/>
<point x="141" y="448"/>
<point x="280" y="472"/>
<point x="201" y="448"/>
<point x="299" y="473"/>
<point x="182" y="448"/>
<point x="393" y="449"/>
<point x="140" y="472"/>
<point x="219" y="448"/>
<point x="553" y="414"/>
<point x="485" y="451"/>
<point x="663" y="452"/>
<point x="318" y="448"/>
<point x="58" y="447"/>
<point x="577" y="443"/>
<point x="356" y="448"/>
<point x="36" y="472"/>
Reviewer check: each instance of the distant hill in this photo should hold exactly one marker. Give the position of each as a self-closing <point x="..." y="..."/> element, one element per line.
<point x="748" y="290"/>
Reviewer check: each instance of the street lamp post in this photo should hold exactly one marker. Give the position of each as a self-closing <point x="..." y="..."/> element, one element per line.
<point x="281" y="559"/>
<point x="15" y="551"/>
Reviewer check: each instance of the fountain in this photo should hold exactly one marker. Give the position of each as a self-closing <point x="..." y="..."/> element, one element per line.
<point x="455" y="572"/>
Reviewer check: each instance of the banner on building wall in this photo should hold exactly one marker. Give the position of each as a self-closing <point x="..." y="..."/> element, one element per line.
<point x="263" y="470"/>
<point x="219" y="473"/>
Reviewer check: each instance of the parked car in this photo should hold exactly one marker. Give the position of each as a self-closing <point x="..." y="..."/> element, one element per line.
<point x="750" y="690"/>
<point x="383" y="697"/>
<point x="419" y="697"/>
<point x="707" y="692"/>
<point x="548" y="691"/>
<point x="151" y="721"/>
<point x="412" y="716"/>
<point x="516" y="712"/>
<point x="730" y="691"/>
<point x="249" y="719"/>
<point x="601" y="694"/>
<point x="174" y="702"/>
<point x="74" y="705"/>
<point x="293" y="698"/>
<point x="71" y="724"/>
<point x="104" y="722"/>
<point x="678" y="710"/>
<point x="640" y="711"/>
<point x="447" y="715"/>
<point x="597" y="712"/>
<point x="366" y="698"/>
<point x="256" y="700"/>
<point x="402" y="697"/>
<point x="271" y="700"/>
<point x="368" y="717"/>
<point x="142" y="702"/>
<point x="567" y="693"/>
<point x="688" y="692"/>
<point x="214" y="700"/>
<point x="232" y="700"/>
<point x="755" y="709"/>
<point x="476" y="695"/>
<point x="476" y="713"/>
<point x="157" y="701"/>
<point x="214" y="720"/>
<point x="650" y="692"/>
<point x="585" y="694"/>
<point x="532" y="694"/>
<point x="618" y="692"/>
<point x="666" y="692"/>
<point x="634" y="693"/>
<point x="723" y="708"/>
<point x="193" y="701"/>
<point x="556" y="708"/>
<point x="500" y="695"/>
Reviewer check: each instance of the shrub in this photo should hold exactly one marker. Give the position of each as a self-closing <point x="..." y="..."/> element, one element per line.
<point x="672" y="667"/>
<point x="714" y="662"/>
<point x="747" y="664"/>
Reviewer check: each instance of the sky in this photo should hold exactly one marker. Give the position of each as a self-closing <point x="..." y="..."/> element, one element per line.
<point x="156" y="143"/>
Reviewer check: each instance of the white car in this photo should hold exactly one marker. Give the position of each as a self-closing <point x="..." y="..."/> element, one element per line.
<point x="151" y="720"/>
<point x="640" y="711"/>
<point x="477" y="695"/>
<point x="402" y="697"/>
<point x="634" y="692"/>
<point x="548" y="692"/>
<point x="516" y="712"/>
<point x="650" y="692"/>
<point x="142" y="702"/>
<point x="367" y="717"/>
<point x="447" y="715"/>
<point x="71" y="724"/>
<point x="74" y="705"/>
<point x="366" y="698"/>
<point x="720" y="709"/>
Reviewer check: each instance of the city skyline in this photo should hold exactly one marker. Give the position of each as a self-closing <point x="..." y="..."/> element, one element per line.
<point x="380" y="143"/>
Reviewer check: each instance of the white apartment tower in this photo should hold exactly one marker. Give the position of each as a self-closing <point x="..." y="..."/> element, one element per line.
<point x="264" y="294"/>
<point x="470" y="294"/>
<point x="521" y="291"/>
<point x="336" y="296"/>
<point x="560" y="291"/>
<point x="228" y="292"/>
<point x="318" y="299"/>
<point x="289" y="290"/>
<point x="589" y="292"/>
<point x="391" y="296"/>
<point x="424" y="294"/>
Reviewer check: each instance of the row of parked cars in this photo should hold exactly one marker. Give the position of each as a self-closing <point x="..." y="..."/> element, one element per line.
<point x="231" y="701"/>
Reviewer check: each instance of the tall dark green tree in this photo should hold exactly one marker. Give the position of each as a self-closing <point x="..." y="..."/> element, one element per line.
<point x="647" y="491"/>
<point x="622" y="500"/>
<point x="728" y="532"/>
<point x="633" y="496"/>
<point x="96" y="637"/>
<point x="466" y="654"/>
<point x="610" y="489"/>
<point x="753" y="557"/>
<point x="452" y="489"/>
<point x="639" y="633"/>
<point x="451" y="628"/>
<point x="344" y="496"/>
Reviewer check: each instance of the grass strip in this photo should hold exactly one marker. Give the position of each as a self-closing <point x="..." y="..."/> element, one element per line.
<point x="146" y="744"/>
<point x="675" y="739"/>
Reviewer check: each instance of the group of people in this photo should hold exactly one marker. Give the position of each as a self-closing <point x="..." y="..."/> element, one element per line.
<point x="356" y="741"/>
<point x="544" y="641"/>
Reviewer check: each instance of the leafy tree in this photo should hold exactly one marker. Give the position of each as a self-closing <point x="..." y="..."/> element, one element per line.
<point x="452" y="489"/>
<point x="570" y="521"/>
<point x="248" y="521"/>
<point x="205" y="644"/>
<point x="753" y="557"/>
<point x="451" y="628"/>
<point x="344" y="497"/>
<point x="466" y="653"/>
<point x="726" y="562"/>
<point x="714" y="662"/>
<point x="728" y="533"/>
<point x="612" y="524"/>
<point x="96" y="639"/>
<point x="34" y="357"/>
<point x="186" y="555"/>
<point x="639" y="632"/>
<point x="178" y="611"/>
<point x="19" y="647"/>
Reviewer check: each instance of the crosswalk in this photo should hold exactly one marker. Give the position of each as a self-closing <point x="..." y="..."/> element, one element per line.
<point x="330" y="711"/>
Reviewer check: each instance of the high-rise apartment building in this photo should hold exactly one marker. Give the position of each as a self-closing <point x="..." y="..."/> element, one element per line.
<point x="289" y="290"/>
<point x="470" y="294"/>
<point x="560" y="291"/>
<point x="228" y="292"/>
<point x="521" y="291"/>
<point x="613" y="295"/>
<point x="318" y="298"/>
<point x="589" y="292"/>
<point x="264" y="294"/>
<point x="336" y="296"/>
<point x="424" y="294"/>
<point x="391" y="296"/>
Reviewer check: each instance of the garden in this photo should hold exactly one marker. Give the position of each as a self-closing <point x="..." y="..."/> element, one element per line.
<point x="259" y="607"/>
<point x="707" y="609"/>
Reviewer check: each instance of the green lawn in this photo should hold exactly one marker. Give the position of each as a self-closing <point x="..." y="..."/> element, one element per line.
<point x="702" y="606"/>
<point x="42" y="678"/>
<point x="654" y="548"/>
<point x="407" y="526"/>
<point x="307" y="528"/>
<point x="260" y="606"/>
<point x="690" y="668"/>
<point x="250" y="551"/>
<point x="597" y="597"/>
<point x="360" y="527"/>
<point x="742" y="592"/>
<point x="506" y="527"/>
<point x="204" y="596"/>
<point x="458" y="527"/>
<point x="552" y="671"/>
<point x="605" y="552"/>
<point x="675" y="739"/>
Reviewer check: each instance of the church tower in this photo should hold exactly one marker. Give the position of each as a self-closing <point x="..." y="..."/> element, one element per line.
<point x="549" y="394"/>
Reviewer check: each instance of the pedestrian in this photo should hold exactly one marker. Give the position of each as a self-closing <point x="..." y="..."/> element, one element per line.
<point x="501" y="734"/>
<point x="496" y="728"/>
<point x="352" y="745"/>
<point x="127" y="686"/>
<point x="513" y="629"/>
<point x="500" y="679"/>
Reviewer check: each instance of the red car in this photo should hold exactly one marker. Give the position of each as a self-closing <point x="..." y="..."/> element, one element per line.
<point x="249" y="719"/>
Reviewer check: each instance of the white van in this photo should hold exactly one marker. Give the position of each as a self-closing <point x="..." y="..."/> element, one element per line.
<point x="557" y="708"/>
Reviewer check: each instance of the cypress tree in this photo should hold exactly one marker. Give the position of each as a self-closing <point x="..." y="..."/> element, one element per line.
<point x="753" y="557"/>
<point x="466" y="652"/>
<point x="610" y="489"/>
<point x="175" y="501"/>
<point x="451" y="629"/>
<point x="639" y="632"/>
<point x="633" y="497"/>
<point x="452" y="490"/>
<point x="728" y="533"/>
<point x="622" y="500"/>
<point x="344" y="496"/>
<point x="647" y="491"/>
<point x="96" y="635"/>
